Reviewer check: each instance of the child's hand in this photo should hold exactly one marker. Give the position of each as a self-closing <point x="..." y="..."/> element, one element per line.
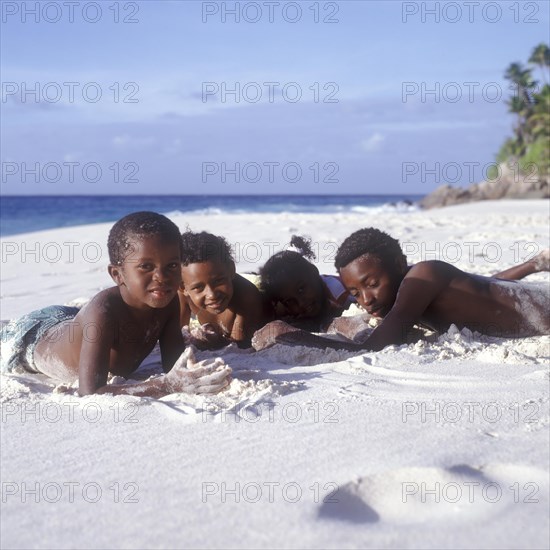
<point x="542" y="260"/>
<point x="189" y="376"/>
<point x="357" y="328"/>
<point x="266" y="336"/>
<point x="207" y="337"/>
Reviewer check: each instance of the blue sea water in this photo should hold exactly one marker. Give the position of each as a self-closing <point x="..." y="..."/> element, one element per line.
<point x="22" y="214"/>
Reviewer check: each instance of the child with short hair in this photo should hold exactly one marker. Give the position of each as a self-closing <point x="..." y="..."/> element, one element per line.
<point x="228" y="306"/>
<point x="431" y="293"/>
<point x="299" y="294"/>
<point x="120" y="326"/>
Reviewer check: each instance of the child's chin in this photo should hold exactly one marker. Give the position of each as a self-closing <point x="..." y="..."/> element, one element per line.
<point x="159" y="304"/>
<point x="160" y="301"/>
<point x="218" y="309"/>
<point x="381" y="313"/>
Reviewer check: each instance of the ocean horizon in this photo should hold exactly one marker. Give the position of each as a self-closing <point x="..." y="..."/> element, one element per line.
<point x="27" y="213"/>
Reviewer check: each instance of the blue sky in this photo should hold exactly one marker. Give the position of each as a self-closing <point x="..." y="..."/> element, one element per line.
<point x="155" y="130"/>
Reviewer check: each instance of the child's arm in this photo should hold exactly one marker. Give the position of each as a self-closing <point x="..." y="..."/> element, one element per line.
<point x="95" y="360"/>
<point x="279" y="332"/>
<point x="93" y="367"/>
<point x="248" y="322"/>
<point x="185" y="310"/>
<point x="171" y="339"/>
<point x="185" y="376"/>
<point x="541" y="262"/>
<point x="419" y="288"/>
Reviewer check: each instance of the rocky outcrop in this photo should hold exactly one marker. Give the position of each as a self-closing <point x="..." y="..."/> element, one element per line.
<point x="509" y="185"/>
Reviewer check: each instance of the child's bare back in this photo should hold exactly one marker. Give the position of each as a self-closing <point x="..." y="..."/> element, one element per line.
<point x="438" y="294"/>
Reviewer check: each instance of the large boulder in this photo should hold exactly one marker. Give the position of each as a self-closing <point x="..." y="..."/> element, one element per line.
<point x="508" y="185"/>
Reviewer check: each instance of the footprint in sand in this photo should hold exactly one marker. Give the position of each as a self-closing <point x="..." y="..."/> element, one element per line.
<point x="461" y="493"/>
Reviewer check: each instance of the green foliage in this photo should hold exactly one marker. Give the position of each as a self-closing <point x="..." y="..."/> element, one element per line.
<point x="537" y="157"/>
<point x="531" y="140"/>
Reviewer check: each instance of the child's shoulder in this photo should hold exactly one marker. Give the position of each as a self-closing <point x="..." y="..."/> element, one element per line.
<point x="433" y="270"/>
<point x="337" y="294"/>
<point x="246" y="295"/>
<point x="243" y="286"/>
<point x="105" y="303"/>
<point x="253" y="278"/>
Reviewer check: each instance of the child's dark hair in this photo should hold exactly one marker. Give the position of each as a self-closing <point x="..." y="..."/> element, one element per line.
<point x="135" y="226"/>
<point x="203" y="247"/>
<point x="368" y="241"/>
<point x="286" y="265"/>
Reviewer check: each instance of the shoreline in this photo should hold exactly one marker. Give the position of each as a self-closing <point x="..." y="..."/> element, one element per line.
<point x="71" y="210"/>
<point x="65" y="264"/>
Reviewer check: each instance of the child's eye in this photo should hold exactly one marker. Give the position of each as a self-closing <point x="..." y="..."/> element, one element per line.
<point x="373" y="284"/>
<point x="173" y="265"/>
<point x="354" y="293"/>
<point x="146" y="267"/>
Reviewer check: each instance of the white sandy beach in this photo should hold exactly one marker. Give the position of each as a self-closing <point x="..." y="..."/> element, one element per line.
<point x="439" y="445"/>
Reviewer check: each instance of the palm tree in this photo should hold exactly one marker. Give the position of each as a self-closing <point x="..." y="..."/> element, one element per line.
<point x="541" y="58"/>
<point x="517" y="106"/>
<point x="538" y="124"/>
<point x="531" y="141"/>
<point x="522" y="102"/>
<point x="522" y="80"/>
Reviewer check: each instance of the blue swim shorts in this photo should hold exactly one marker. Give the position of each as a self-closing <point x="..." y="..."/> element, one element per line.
<point x="19" y="337"/>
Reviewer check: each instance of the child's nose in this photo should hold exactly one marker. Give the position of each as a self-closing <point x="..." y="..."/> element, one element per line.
<point x="159" y="275"/>
<point x="209" y="291"/>
<point x="367" y="298"/>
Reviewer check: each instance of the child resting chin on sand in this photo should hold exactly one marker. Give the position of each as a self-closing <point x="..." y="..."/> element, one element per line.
<point x="298" y="293"/>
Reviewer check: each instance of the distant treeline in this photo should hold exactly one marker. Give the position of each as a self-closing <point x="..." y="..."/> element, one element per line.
<point x="530" y="102"/>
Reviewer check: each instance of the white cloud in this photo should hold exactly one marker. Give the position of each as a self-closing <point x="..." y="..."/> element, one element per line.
<point x="72" y="157"/>
<point x="128" y="141"/>
<point x="372" y="143"/>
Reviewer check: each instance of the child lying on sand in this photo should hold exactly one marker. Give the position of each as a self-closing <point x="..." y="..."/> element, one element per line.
<point x="229" y="308"/>
<point x="436" y="294"/>
<point x="297" y="292"/>
<point x="120" y="326"/>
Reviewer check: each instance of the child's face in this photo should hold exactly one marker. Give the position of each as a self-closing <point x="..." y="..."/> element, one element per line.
<point x="303" y="297"/>
<point x="209" y="285"/>
<point x="371" y="284"/>
<point x="150" y="275"/>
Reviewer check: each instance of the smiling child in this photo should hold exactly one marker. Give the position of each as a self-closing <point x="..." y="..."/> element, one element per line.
<point x="229" y="307"/>
<point x="119" y="327"/>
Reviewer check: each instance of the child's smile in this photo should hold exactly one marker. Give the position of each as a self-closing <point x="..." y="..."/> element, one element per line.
<point x="209" y="285"/>
<point x="150" y="275"/>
